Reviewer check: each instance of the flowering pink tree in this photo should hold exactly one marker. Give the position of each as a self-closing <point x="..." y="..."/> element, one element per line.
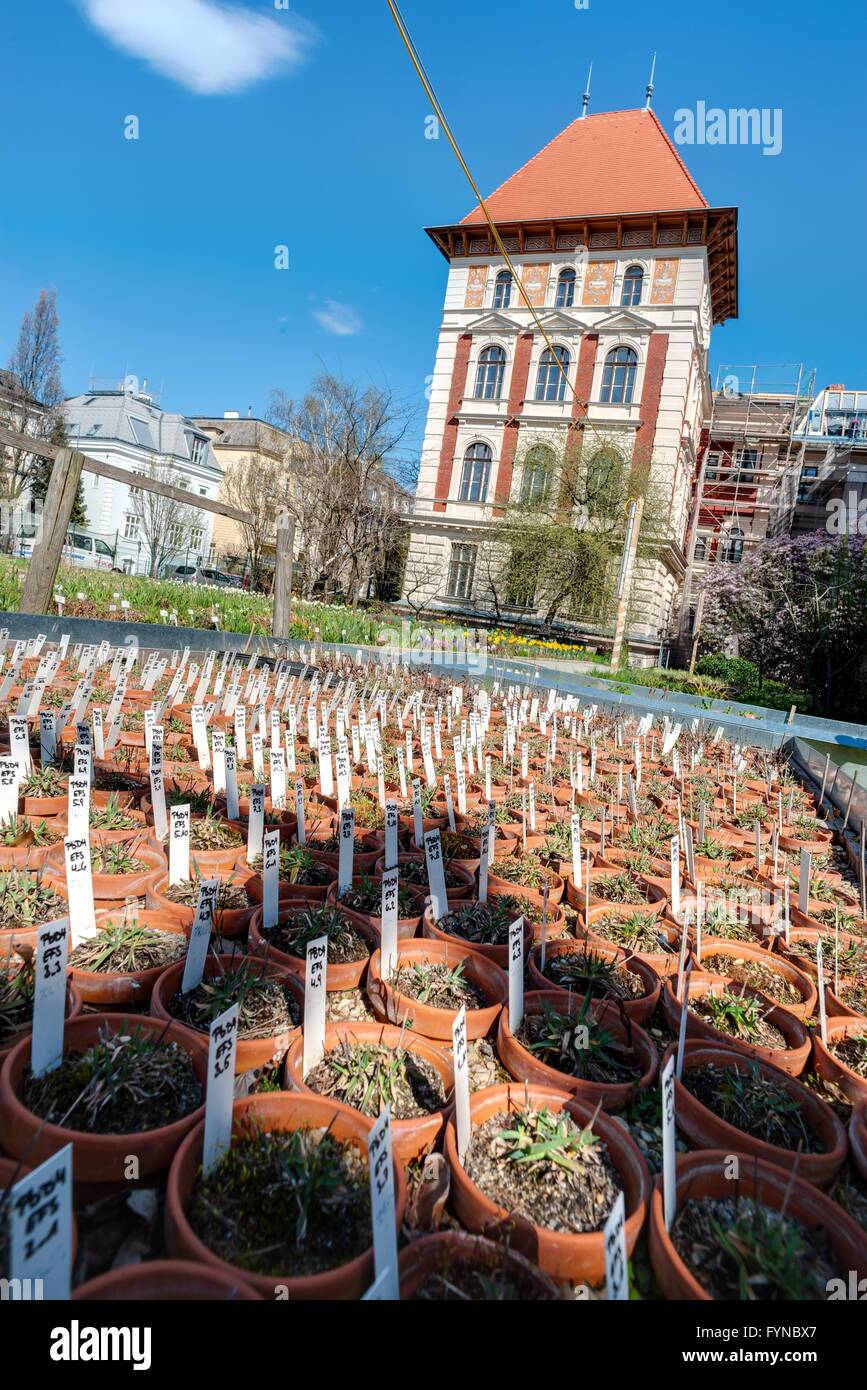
<point x="797" y="606"/>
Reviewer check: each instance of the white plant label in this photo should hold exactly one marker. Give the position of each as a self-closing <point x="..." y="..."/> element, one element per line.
<point x="388" y="928"/>
<point x="346" y="853"/>
<point x="49" y="1002"/>
<point x="675" y="876"/>
<point x="436" y="878"/>
<point x="19" y="743"/>
<point x="417" y="819"/>
<point x="391" y="850"/>
<point x="341" y="768"/>
<point x="158" y="787"/>
<point x="230" y="760"/>
<point x="256" y="822"/>
<point x="278" y="779"/>
<point x="9" y="779"/>
<point x="383" y="1219"/>
<point x="516" y="973"/>
<point x="270" y="878"/>
<point x="200" y="935"/>
<point x="218" y="752"/>
<point x="616" y="1259"/>
<point x="301" y="832"/>
<point x="804" y="880"/>
<point x="220" y="1096"/>
<point x="669" y="1152"/>
<point x="79" y="887"/>
<point x="450" y="809"/>
<point x="484" y="860"/>
<point x="258" y="757"/>
<point x="684" y="1021"/>
<point x="315" y="978"/>
<point x="241" y="731"/>
<point x="179" y="845"/>
<point x="39" y="1210"/>
<point x="820" y="986"/>
<point x="576" y="849"/>
<point x="48" y="736"/>
<point x="461" y="1055"/>
<point x="326" y="774"/>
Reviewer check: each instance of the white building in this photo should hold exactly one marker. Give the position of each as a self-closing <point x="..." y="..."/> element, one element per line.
<point x="628" y="267"/>
<point x="127" y="428"/>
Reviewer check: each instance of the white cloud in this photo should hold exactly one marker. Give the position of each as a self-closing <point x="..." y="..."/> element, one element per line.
<point x="207" y="47"/>
<point x="339" y="319"/>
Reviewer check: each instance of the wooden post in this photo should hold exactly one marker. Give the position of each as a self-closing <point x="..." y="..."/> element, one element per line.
<point x="56" y="513"/>
<point x="283" y="576"/>
<point x="624" y="583"/>
<point x="696" y="633"/>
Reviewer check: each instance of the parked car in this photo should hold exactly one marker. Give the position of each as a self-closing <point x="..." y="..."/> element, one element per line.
<point x="198" y="574"/>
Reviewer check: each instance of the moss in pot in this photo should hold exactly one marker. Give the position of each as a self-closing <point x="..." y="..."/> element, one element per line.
<point x="369" y="1077"/>
<point x="739" y="1249"/>
<point x="578" y="1046"/>
<point x="542" y="1166"/>
<point x="122" y="1084"/>
<point x="25" y="902"/>
<point x="751" y="1101"/>
<point x="294" y="1200"/>
<point x="266" y="1008"/>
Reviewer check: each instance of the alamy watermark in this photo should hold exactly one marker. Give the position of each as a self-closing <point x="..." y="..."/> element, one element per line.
<point x="437" y="645"/>
<point x="739" y="125"/>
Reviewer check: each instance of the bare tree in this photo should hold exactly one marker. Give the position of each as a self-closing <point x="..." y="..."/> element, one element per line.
<point x="343" y="480"/>
<point x="260" y="490"/>
<point x="163" y="522"/>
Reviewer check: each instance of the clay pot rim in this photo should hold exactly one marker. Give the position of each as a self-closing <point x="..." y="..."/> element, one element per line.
<point x="387" y="1034"/>
<point x="107" y="1287"/>
<point x="413" y="1265"/>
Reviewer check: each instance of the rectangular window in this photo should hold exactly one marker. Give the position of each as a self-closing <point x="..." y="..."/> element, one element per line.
<point x="196" y="446"/>
<point x="462" y="569"/>
<point x="711" y="472"/>
<point x="130" y="527"/>
<point x="197" y="535"/>
<point x="746" y="461"/>
<point x="176" y="534"/>
<point x="141" y="432"/>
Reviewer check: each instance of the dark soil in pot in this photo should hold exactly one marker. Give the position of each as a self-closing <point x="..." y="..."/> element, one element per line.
<point x="738" y="1016"/>
<point x="752" y="1102"/>
<point x="740" y="1249"/>
<point x="17" y="987"/>
<point x="852" y="1051"/>
<point x="542" y="1166"/>
<point x="266" y="1009"/>
<point x="483" y="924"/>
<point x="123" y="1084"/>
<point x="122" y="948"/>
<point x="298" y="864"/>
<point x="461" y="1279"/>
<point x="365" y="896"/>
<point x="636" y="932"/>
<point x="296" y="1200"/>
<point x="26" y="902"/>
<point x="369" y="1077"/>
<point x="230" y="896"/>
<point x="579" y="1045"/>
<point x="588" y="973"/>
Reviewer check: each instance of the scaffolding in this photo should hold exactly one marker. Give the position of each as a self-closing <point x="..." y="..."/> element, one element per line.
<point x="749" y="470"/>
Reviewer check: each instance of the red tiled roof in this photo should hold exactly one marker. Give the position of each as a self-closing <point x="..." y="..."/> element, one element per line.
<point x="614" y="162"/>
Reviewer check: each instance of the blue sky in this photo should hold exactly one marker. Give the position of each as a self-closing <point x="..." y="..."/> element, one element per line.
<point x="262" y="126"/>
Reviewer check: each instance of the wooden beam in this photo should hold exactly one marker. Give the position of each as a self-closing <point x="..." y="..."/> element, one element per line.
<point x="56" y="513"/>
<point x="41" y="448"/>
<point x="282" y="610"/>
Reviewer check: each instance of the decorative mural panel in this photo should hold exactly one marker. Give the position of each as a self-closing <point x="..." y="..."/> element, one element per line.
<point x="535" y="281"/>
<point x="597" y="283"/>
<point x="664" y="282"/>
<point x="477" y="278"/>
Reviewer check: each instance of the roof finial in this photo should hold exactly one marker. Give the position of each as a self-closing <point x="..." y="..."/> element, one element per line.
<point x="585" y="100"/>
<point x="649" y="89"/>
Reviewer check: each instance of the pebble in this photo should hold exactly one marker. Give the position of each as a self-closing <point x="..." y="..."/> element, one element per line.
<point x="348" y="1006"/>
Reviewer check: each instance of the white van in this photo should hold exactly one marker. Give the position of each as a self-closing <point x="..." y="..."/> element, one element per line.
<point x="81" y="549"/>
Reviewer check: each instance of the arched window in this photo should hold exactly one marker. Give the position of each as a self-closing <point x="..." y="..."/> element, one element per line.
<point x="503" y="290"/>
<point x="632" y="283"/>
<point x="489" y="377"/>
<point x="537" y="474"/>
<point x="476" y="472"/>
<point x="733" y="549"/>
<point x="565" y="289"/>
<point x="551" y="381"/>
<point x="618" y="376"/>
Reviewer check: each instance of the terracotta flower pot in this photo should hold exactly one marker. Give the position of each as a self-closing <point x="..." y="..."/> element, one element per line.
<point x="664" y="963"/>
<point x="637" y="1009"/>
<point x="165" y="1281"/>
<point x="577" y="1258"/>
<point x="114" y="887"/>
<point x="706" y="1130"/>
<point x="110" y="989"/>
<point x="742" y="950"/>
<point x="655" y="902"/>
<point x="252" y="1053"/>
<point x="526" y="1066"/>
<point x="498" y="954"/>
<point x="275" y="1111"/>
<point x="858" y="1137"/>
<point x="466" y="889"/>
<point x="407" y="927"/>
<point x="410" y="1138"/>
<point x="432" y="1254"/>
<point x="704" y="1175"/>
<point x="230" y="922"/>
<point x="791" y="1059"/>
<point x="393" y="1007"/>
<point x="74" y="1004"/>
<point x="96" y="1157"/>
<point x="831" y="1068"/>
<point x="340" y="975"/>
